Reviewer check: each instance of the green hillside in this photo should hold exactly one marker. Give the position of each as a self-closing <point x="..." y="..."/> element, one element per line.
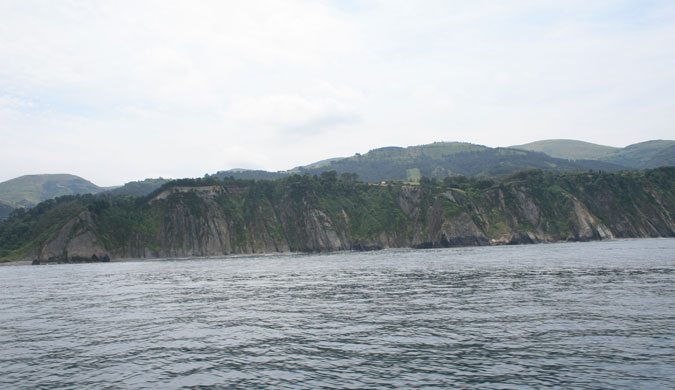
<point x="643" y="155"/>
<point x="5" y="210"/>
<point x="568" y="149"/>
<point x="649" y="154"/>
<point x="209" y="217"/>
<point x="437" y="160"/>
<point x="29" y="190"/>
<point x="139" y="188"/>
<point x="319" y="164"/>
<point x="249" y="174"/>
<point x="442" y="159"/>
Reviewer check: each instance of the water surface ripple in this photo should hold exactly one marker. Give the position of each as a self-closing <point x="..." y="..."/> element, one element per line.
<point x="585" y="315"/>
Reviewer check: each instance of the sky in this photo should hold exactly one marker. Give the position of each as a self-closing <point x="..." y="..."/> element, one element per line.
<point x="116" y="91"/>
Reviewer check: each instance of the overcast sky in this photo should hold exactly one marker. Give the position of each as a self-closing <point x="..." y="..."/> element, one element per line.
<point x="115" y="91"/>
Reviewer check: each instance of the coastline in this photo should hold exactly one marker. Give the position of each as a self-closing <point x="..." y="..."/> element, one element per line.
<point x="290" y="254"/>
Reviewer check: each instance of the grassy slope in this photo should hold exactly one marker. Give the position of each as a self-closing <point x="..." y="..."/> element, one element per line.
<point x="649" y="154"/>
<point x="569" y="149"/>
<point x="643" y="155"/>
<point x="30" y="190"/>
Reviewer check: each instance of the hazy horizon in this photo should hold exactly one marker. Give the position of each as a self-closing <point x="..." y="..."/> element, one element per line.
<point x="122" y="91"/>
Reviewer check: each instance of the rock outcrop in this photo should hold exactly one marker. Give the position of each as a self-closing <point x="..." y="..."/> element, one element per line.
<point x="75" y="242"/>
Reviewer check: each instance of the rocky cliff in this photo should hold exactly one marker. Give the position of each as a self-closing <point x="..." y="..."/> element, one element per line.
<point x="313" y="214"/>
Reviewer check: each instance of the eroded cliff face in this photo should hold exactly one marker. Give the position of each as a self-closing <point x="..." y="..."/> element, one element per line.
<point x="75" y="242"/>
<point x="222" y="220"/>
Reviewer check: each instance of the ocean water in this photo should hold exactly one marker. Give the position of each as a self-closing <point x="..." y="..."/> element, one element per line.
<point x="597" y="315"/>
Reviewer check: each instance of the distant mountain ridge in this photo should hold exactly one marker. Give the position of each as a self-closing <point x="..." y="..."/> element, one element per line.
<point x="568" y="149"/>
<point x="442" y="159"/>
<point x="436" y="160"/>
<point x="643" y="155"/>
<point x="408" y="164"/>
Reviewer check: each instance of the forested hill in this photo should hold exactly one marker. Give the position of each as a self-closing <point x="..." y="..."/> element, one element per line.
<point x="5" y="210"/>
<point x="450" y="159"/>
<point x="138" y="188"/>
<point x="212" y="217"/>
<point x="437" y="160"/>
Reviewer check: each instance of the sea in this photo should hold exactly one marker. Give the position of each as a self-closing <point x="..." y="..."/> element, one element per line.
<point x="594" y="315"/>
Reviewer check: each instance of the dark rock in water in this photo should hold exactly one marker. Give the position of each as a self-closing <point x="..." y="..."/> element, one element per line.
<point x="64" y="259"/>
<point x="56" y="259"/>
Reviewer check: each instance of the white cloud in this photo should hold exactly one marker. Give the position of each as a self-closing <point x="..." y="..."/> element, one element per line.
<point x="10" y="101"/>
<point x="290" y="113"/>
<point x="11" y="106"/>
<point x="185" y="88"/>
